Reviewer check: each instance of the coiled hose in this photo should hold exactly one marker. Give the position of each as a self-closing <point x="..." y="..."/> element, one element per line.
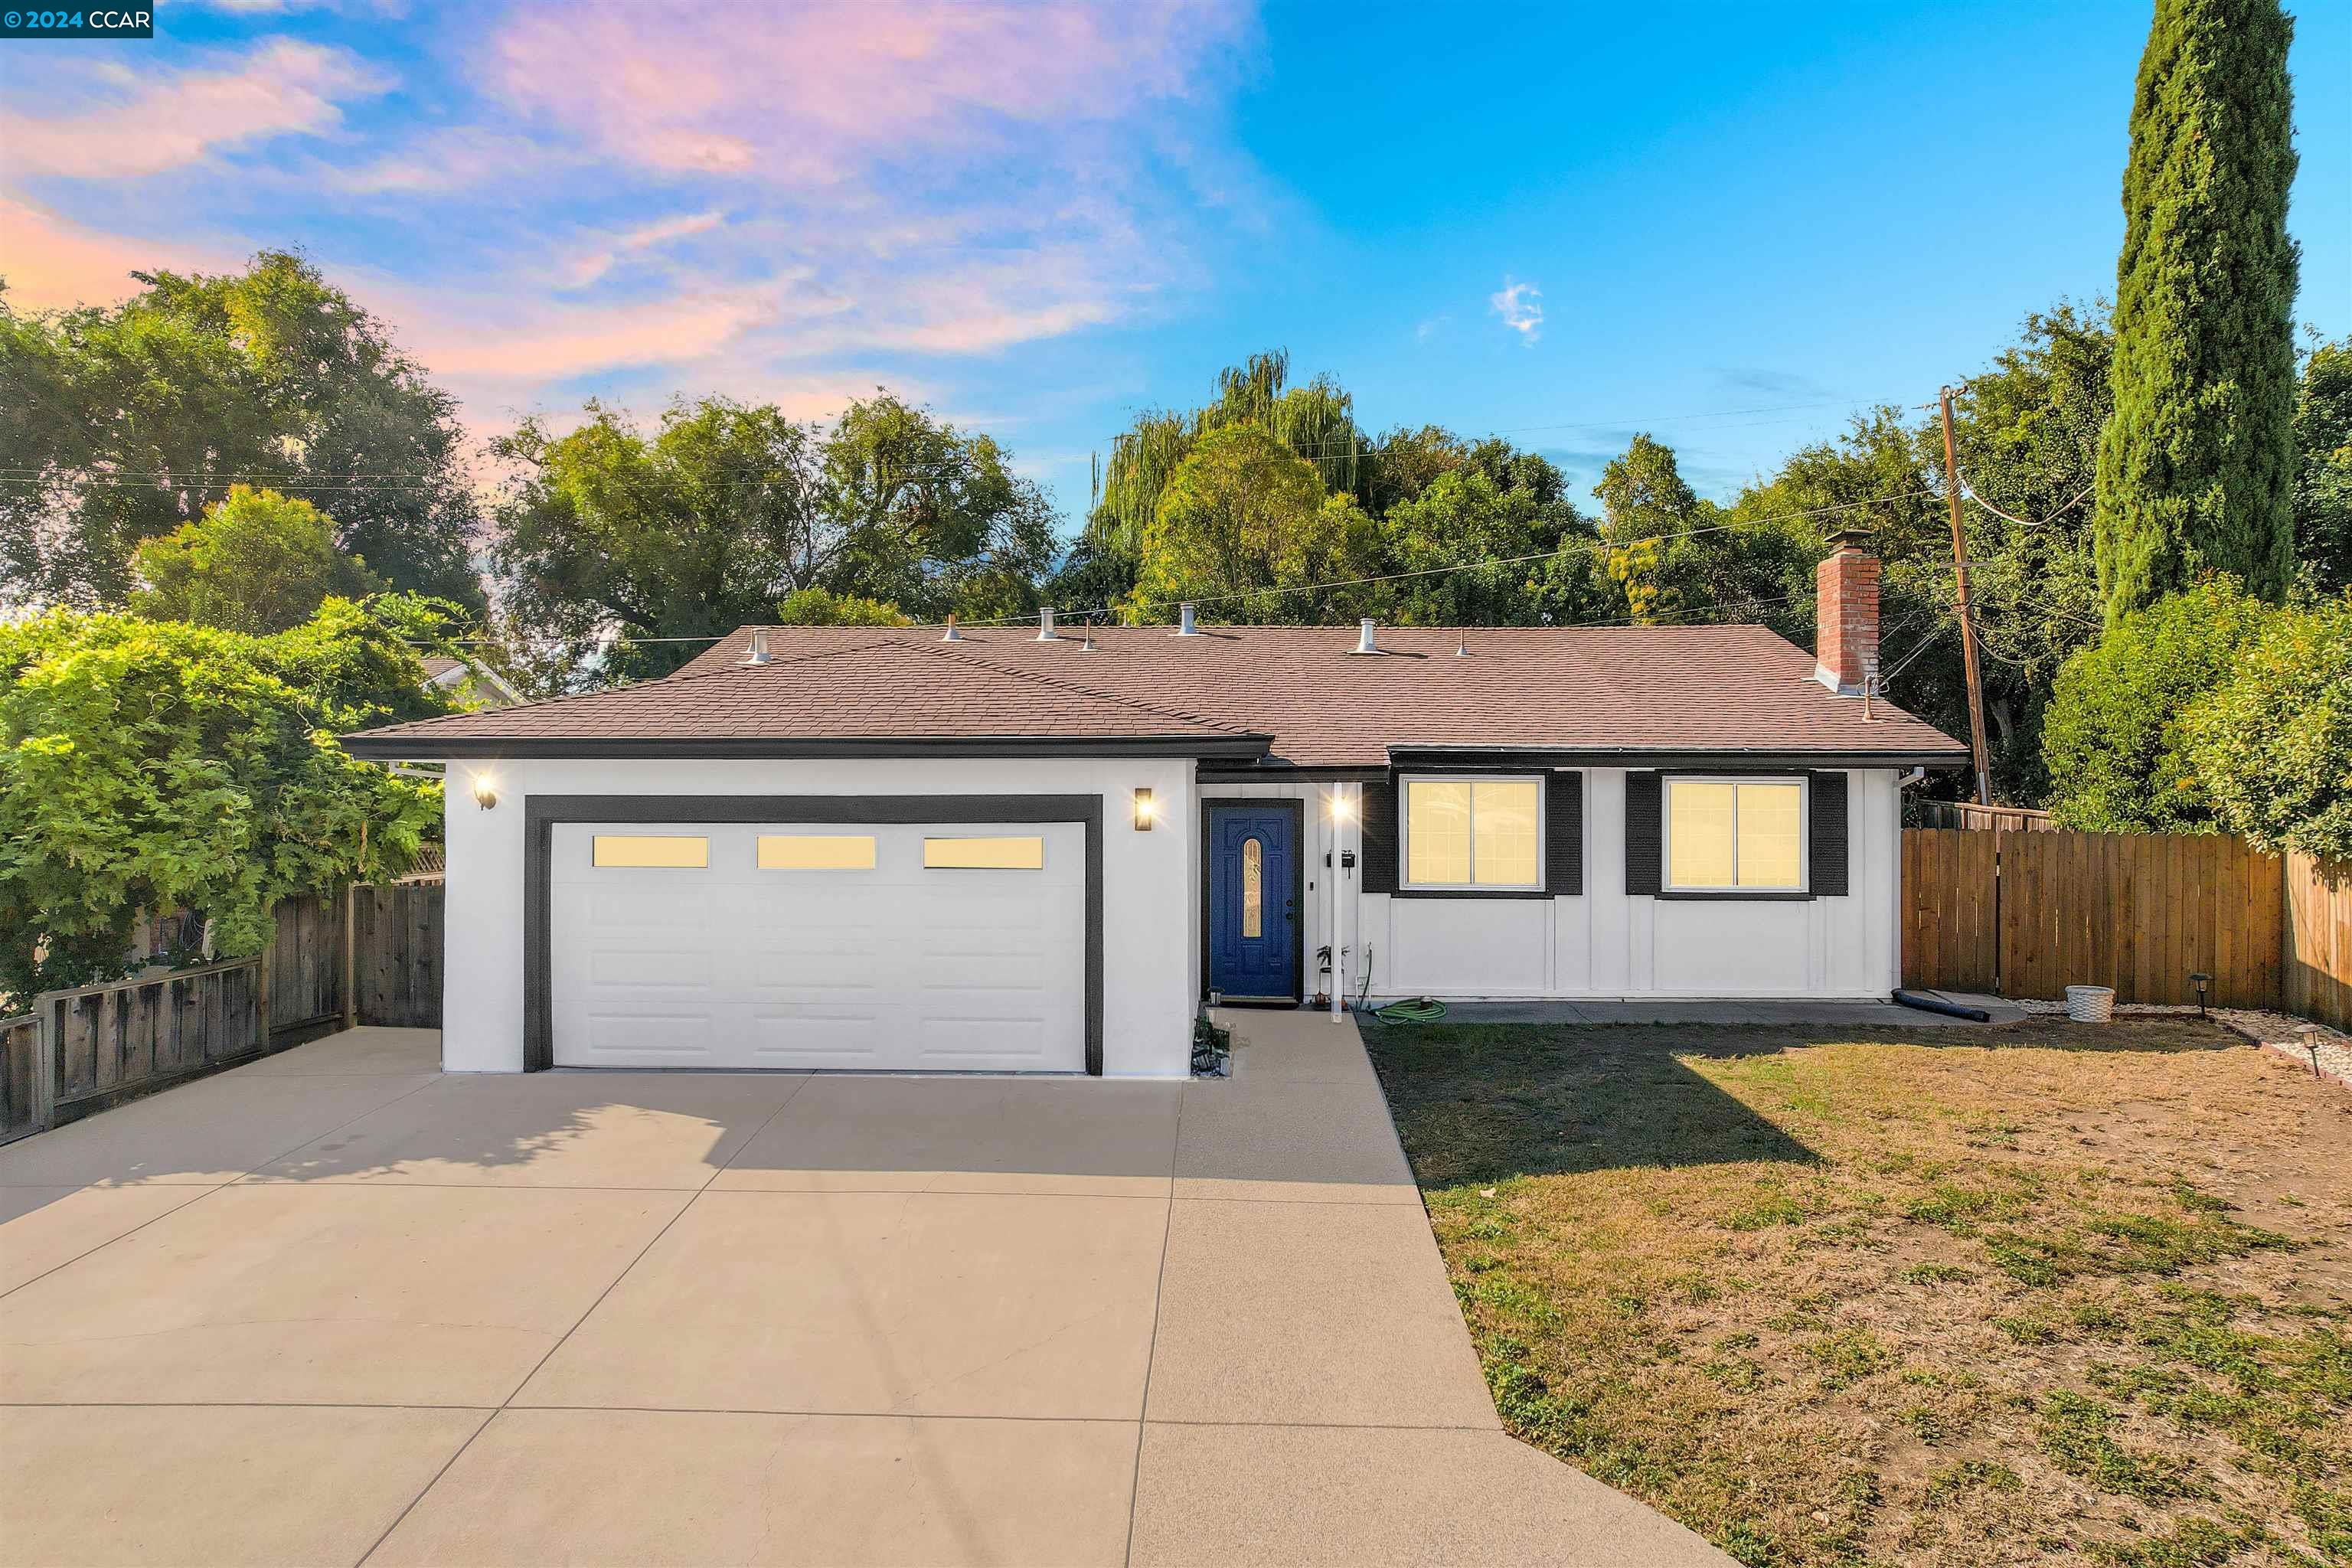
<point x="1418" y="1010"/>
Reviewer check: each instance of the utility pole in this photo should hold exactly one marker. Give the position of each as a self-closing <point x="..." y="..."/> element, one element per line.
<point x="1968" y="616"/>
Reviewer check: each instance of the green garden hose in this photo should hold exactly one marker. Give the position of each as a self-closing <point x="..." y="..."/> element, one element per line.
<point x="1419" y="1010"/>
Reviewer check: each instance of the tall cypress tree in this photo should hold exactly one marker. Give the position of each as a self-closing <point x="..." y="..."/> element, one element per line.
<point x="2196" y="464"/>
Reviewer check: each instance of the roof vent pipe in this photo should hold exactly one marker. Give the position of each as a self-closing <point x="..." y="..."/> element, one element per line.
<point x="1365" y="641"/>
<point x="1184" y="626"/>
<point x="758" y="654"/>
<point x="1046" y="625"/>
<point x="952" y="635"/>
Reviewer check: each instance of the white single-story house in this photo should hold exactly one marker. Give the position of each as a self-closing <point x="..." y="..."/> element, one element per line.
<point x="1014" y="849"/>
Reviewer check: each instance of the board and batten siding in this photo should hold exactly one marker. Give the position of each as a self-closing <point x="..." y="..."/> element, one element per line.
<point x="1607" y="941"/>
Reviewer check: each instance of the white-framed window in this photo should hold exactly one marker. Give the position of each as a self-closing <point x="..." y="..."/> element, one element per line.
<point x="1473" y="831"/>
<point x="1736" y="835"/>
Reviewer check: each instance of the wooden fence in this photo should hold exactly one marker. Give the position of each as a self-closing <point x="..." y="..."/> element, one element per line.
<point x="1951" y="909"/>
<point x="374" y="959"/>
<point x="2319" y="958"/>
<point x="398" y="966"/>
<point x="20" y="1079"/>
<point x="2026" y="913"/>
<point x="107" y="1043"/>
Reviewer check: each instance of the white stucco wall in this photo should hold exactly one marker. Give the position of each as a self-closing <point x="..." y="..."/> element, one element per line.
<point x="1151" y="882"/>
<point x="1607" y="943"/>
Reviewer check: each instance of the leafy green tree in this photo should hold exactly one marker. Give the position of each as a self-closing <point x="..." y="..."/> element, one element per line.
<point x="927" y="518"/>
<point x="816" y="608"/>
<point x="160" y="765"/>
<point x="2271" y="746"/>
<point x="1675" y="557"/>
<point x="2197" y="467"/>
<point x="1317" y="422"/>
<point x="1244" y="512"/>
<point x="2323" y="482"/>
<point x="131" y="420"/>
<point x="2113" y="737"/>
<point x="1492" y="506"/>
<point x="727" y="511"/>
<point x="255" y="562"/>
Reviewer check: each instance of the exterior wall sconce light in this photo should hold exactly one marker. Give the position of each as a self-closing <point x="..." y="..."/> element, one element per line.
<point x="1341" y="809"/>
<point x="486" y="791"/>
<point x="2199" y="979"/>
<point x="1146" y="809"/>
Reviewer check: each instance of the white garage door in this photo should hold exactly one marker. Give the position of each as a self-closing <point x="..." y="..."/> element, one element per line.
<point x="944" y="946"/>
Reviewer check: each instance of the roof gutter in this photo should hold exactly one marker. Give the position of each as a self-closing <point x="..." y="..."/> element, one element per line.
<point x="1424" y="755"/>
<point x="378" y="746"/>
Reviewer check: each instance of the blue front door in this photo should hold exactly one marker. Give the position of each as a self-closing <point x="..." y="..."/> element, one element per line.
<point x="1254" y="901"/>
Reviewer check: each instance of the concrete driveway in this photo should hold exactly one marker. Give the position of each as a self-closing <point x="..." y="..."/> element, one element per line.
<point x="338" y="1306"/>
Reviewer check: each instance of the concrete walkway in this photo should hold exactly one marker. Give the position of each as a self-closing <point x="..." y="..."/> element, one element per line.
<point x="336" y="1307"/>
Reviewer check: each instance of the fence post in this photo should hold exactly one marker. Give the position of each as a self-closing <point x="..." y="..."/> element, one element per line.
<point x="261" y="987"/>
<point x="44" y="1064"/>
<point x="351" y="955"/>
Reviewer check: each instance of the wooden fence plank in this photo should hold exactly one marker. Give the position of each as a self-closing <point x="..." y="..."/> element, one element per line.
<point x="2315" y="938"/>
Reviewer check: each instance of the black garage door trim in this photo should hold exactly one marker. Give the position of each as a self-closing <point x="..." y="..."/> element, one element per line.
<point x="541" y="813"/>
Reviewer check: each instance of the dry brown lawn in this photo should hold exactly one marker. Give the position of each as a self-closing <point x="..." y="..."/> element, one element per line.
<point x="2033" y="1295"/>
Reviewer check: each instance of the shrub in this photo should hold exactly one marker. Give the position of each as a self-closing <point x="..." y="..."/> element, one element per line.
<point x="2270" y="748"/>
<point x="162" y="765"/>
<point x="2112" y="737"/>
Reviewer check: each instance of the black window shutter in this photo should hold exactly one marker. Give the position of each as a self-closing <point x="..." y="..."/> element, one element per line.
<point x="1564" y="833"/>
<point x="1828" y="836"/>
<point x="1379" y="832"/>
<point x="1645" y="831"/>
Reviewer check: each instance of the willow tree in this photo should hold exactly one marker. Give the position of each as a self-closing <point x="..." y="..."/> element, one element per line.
<point x="1316" y="422"/>
<point x="1244" y="513"/>
<point x="2197" y="467"/>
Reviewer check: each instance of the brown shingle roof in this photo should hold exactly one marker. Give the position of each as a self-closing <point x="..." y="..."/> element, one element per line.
<point x="1733" y="690"/>
<point x="864" y="687"/>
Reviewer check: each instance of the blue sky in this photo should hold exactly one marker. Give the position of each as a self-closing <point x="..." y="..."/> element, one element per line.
<point x="1727" y="224"/>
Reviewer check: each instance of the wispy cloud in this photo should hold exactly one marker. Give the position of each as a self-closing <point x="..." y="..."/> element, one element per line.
<point x="813" y="94"/>
<point x="114" y="125"/>
<point x="1520" y="306"/>
<point x="592" y="265"/>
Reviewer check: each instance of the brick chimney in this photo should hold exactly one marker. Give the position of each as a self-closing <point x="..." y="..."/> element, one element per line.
<point x="1845" y="611"/>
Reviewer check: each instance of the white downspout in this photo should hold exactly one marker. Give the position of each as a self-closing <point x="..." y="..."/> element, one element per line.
<point x="1338" y="905"/>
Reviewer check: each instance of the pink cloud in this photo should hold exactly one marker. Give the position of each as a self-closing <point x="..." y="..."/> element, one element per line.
<point x="146" y="125"/>
<point x="493" y="339"/>
<point x="811" y="93"/>
<point x="52" y="264"/>
<point x="593" y="264"/>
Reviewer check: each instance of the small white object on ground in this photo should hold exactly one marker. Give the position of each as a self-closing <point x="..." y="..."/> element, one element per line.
<point x="2090" y="1003"/>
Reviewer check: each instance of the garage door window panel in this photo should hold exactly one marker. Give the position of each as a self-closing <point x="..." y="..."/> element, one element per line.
<point x="816" y="852"/>
<point x="651" y="851"/>
<point x="994" y="854"/>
